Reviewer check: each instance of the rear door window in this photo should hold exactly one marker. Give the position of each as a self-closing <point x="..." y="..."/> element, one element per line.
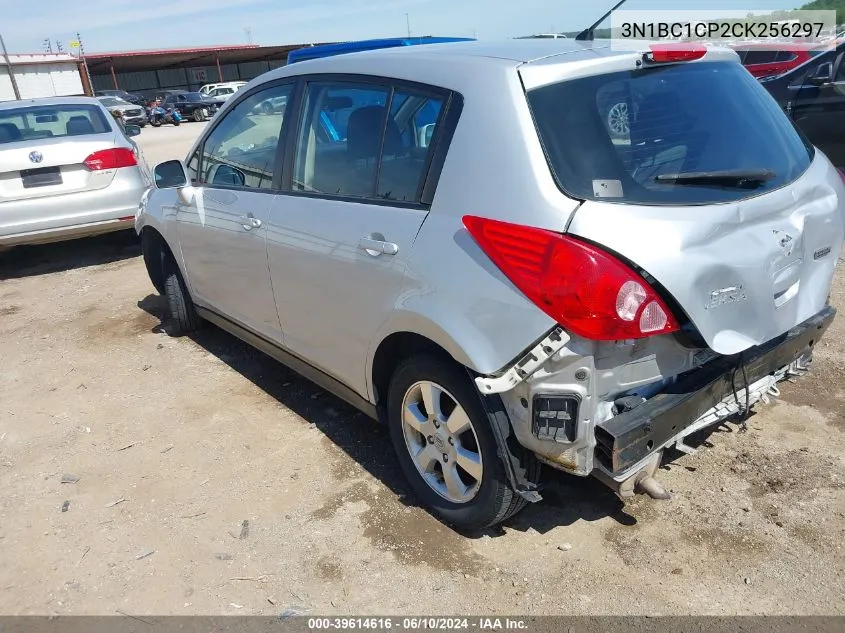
<point x="366" y="141"/>
<point x="408" y="134"/>
<point x="622" y="137"/>
<point x="339" y="139"/>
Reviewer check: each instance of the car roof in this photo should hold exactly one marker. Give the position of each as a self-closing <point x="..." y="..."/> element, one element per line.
<point x="516" y="50"/>
<point x="49" y="101"/>
<point x="451" y="64"/>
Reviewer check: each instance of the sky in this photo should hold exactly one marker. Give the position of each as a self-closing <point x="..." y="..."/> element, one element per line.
<point x="117" y="25"/>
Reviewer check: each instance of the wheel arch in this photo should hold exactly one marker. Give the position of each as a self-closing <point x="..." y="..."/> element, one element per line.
<point x="390" y="353"/>
<point x="155" y="251"/>
<point x="408" y="333"/>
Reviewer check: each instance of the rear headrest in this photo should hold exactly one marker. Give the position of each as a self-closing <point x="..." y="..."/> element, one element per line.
<point x="9" y="132"/>
<point x="364" y="131"/>
<point x="79" y="125"/>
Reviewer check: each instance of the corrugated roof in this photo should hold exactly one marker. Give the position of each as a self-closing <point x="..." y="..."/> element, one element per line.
<point x="159" y="59"/>
<point x="20" y="59"/>
<point x="173" y="51"/>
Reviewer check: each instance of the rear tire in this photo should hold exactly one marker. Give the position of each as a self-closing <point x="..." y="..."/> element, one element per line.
<point x="481" y="496"/>
<point x="183" y="314"/>
<point x="199" y="115"/>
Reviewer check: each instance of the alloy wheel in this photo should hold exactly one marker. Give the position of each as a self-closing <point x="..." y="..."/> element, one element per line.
<point x="442" y="442"/>
<point x="617" y="119"/>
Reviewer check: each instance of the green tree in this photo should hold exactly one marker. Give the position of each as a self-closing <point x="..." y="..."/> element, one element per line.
<point x="827" y="5"/>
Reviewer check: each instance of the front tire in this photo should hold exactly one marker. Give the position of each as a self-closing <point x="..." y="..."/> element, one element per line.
<point x="199" y="115"/>
<point x="183" y="314"/>
<point x="442" y="436"/>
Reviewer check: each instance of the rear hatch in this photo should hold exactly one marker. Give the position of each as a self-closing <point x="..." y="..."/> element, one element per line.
<point x="691" y="172"/>
<point x="43" y="150"/>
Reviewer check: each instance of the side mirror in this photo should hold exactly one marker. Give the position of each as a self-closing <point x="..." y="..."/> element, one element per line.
<point x="173" y="175"/>
<point x="131" y="130"/>
<point x="228" y="175"/>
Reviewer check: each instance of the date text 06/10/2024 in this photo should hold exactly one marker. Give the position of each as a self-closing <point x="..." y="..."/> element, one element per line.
<point x="419" y="624"/>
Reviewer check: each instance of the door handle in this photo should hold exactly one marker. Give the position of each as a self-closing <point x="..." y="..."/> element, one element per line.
<point x="375" y="247"/>
<point x="249" y="222"/>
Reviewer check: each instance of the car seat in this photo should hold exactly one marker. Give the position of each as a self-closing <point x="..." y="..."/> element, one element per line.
<point x="79" y="125"/>
<point x="9" y="133"/>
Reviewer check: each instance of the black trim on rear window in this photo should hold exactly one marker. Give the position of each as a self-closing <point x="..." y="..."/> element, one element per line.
<point x="634" y="137"/>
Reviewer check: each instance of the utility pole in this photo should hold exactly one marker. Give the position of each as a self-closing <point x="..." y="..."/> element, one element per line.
<point x="11" y="71"/>
<point x="408" y="23"/>
<point x="81" y="55"/>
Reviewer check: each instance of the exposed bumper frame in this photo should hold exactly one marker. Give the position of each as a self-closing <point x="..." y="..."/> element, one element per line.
<point x="629" y="439"/>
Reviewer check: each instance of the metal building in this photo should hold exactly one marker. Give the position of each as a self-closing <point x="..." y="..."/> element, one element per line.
<point x="40" y="75"/>
<point x="185" y="69"/>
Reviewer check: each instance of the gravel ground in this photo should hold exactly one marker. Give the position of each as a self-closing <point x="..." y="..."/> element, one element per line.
<point x="148" y="475"/>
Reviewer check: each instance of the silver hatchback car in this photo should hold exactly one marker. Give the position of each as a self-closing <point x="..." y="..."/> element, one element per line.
<point x="451" y="238"/>
<point x="67" y="169"/>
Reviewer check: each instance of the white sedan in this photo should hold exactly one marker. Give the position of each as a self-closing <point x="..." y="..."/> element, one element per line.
<point x="67" y="169"/>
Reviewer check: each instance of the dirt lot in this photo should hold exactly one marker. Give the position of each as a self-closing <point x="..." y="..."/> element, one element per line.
<point x="208" y="479"/>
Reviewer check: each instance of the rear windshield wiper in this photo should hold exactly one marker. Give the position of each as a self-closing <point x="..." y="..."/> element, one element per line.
<point x="740" y="178"/>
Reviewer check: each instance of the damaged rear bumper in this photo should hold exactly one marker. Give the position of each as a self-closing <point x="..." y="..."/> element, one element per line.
<point x="630" y="442"/>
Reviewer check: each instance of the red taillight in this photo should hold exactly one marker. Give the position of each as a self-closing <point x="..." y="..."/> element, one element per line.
<point x="664" y="53"/>
<point x="111" y="159"/>
<point x="586" y="290"/>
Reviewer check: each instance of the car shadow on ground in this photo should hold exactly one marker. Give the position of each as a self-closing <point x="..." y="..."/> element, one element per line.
<point x="566" y="499"/>
<point x="42" y="259"/>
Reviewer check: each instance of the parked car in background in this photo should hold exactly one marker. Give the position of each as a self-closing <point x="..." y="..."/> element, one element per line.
<point x="427" y="233"/>
<point x="762" y="60"/>
<point x="134" y="114"/>
<point x="160" y="95"/>
<point x="813" y="96"/>
<point x="122" y="94"/>
<point x="222" y="92"/>
<point x="67" y="169"/>
<point x="271" y="105"/>
<point x="208" y="88"/>
<point x="192" y="105"/>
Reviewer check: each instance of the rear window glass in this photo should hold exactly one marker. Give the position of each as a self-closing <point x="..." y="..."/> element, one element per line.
<point x="23" y="124"/>
<point x="622" y="137"/>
